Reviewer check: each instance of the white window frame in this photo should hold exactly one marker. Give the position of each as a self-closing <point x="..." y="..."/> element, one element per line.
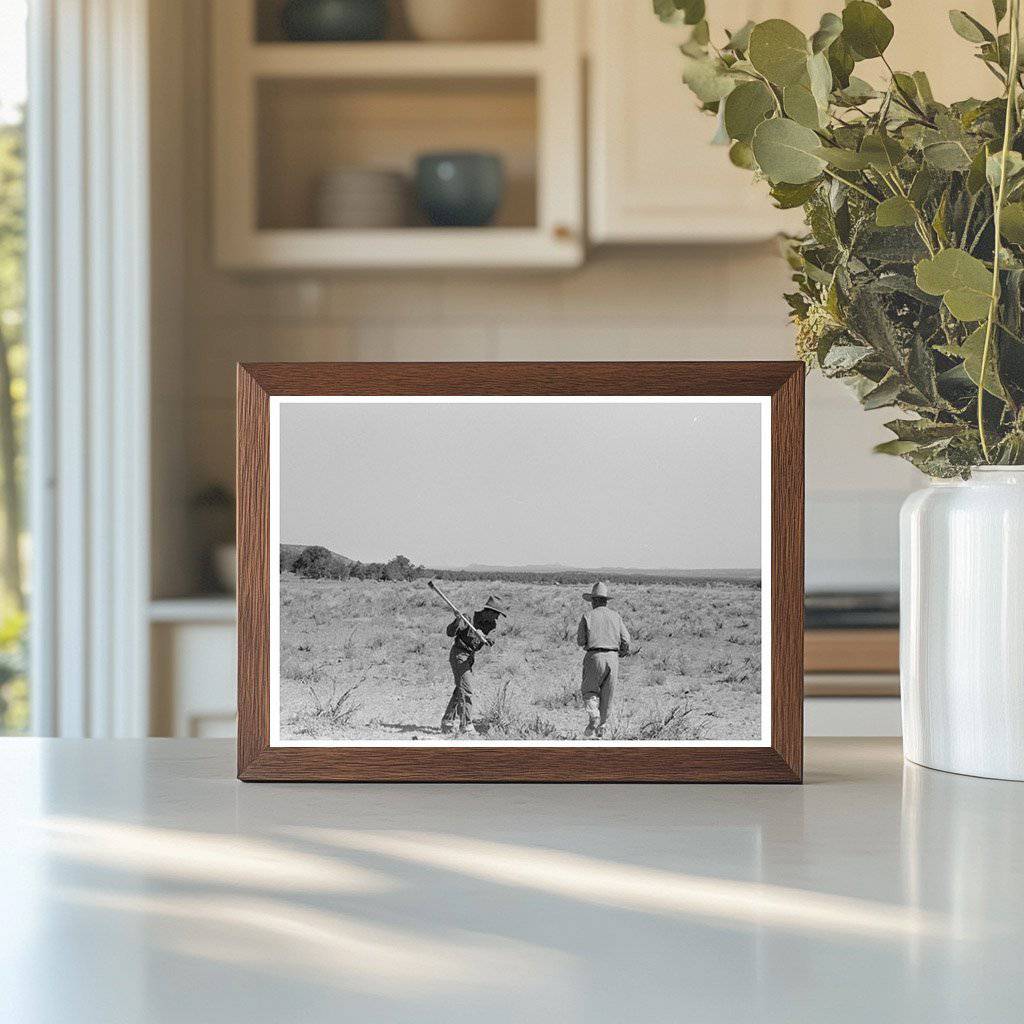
<point x="88" y="334"/>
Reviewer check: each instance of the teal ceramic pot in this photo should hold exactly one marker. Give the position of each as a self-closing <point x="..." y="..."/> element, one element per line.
<point x="460" y="189"/>
<point x="334" y="21"/>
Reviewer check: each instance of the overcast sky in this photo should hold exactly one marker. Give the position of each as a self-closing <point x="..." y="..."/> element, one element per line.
<point x="642" y="486"/>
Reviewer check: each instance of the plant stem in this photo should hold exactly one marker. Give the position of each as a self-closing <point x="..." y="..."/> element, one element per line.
<point x="1011" y="108"/>
<point x="768" y="86"/>
<point x="853" y="185"/>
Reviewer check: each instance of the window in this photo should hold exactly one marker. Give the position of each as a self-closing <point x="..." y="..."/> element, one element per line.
<point x="14" y="690"/>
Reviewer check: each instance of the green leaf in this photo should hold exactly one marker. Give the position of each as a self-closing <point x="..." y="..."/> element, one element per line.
<point x="905" y="84"/>
<point x="666" y="10"/>
<point x="921" y="370"/>
<point x="787" y="151"/>
<point x="707" y="78"/>
<point x="895" y="212"/>
<point x="866" y="29"/>
<point x="721" y="136"/>
<point x="889" y="245"/>
<point x="779" y="51"/>
<point x="969" y="28"/>
<point x="701" y="34"/>
<point x="922" y="185"/>
<point x="1012" y="224"/>
<point x="885" y="394"/>
<point x="844" y="159"/>
<point x="857" y="91"/>
<point x="788" y="197"/>
<point x="924" y="88"/>
<point x="939" y="220"/>
<point x="923" y="431"/>
<point x="947" y="156"/>
<point x="883" y="152"/>
<point x="993" y="166"/>
<point x="801" y="106"/>
<point x="739" y="41"/>
<point x="690" y="12"/>
<point x="741" y="155"/>
<point x="963" y="281"/>
<point x="971" y="352"/>
<point x="745" y="108"/>
<point x="693" y="10"/>
<point x="829" y="30"/>
<point x="819" y="74"/>
<point x="895" y="447"/>
<point x="840" y="61"/>
<point x="976" y="173"/>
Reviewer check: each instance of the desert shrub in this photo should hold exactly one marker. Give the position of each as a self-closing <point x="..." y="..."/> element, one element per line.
<point x="329" y="702"/>
<point x="654" y="723"/>
<point x="569" y="696"/>
<point x="501" y="712"/>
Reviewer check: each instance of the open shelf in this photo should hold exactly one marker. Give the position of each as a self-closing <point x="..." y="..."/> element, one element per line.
<point x="309" y="127"/>
<point x="286" y="114"/>
<point x="520" y="22"/>
<point x="389" y="60"/>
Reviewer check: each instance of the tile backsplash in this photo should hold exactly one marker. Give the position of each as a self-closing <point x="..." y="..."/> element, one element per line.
<point x="709" y="303"/>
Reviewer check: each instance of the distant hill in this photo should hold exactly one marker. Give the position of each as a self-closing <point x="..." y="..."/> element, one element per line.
<point x="290" y="552"/>
<point x="335" y="566"/>
<point x="553" y="567"/>
<point x="612" y="570"/>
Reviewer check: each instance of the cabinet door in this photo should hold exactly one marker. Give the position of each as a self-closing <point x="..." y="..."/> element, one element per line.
<point x="653" y="174"/>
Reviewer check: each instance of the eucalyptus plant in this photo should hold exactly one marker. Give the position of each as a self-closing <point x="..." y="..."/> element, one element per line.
<point x="910" y="277"/>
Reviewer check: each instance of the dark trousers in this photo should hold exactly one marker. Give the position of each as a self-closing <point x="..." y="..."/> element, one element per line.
<point x="461" y="702"/>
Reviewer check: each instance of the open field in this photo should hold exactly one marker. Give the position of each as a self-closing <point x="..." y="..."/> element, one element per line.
<point x="364" y="659"/>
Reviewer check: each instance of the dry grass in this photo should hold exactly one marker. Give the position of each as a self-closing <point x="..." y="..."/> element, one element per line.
<point x="369" y="660"/>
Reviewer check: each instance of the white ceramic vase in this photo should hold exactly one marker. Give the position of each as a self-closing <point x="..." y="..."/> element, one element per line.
<point x="962" y="624"/>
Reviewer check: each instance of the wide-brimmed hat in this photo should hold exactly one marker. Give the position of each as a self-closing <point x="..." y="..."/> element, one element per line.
<point x="598" y="590"/>
<point x="494" y="605"/>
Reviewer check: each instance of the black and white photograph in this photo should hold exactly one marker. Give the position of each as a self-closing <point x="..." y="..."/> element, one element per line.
<point x="522" y="570"/>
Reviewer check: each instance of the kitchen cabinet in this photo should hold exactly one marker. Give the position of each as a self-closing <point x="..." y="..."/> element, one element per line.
<point x="653" y="177"/>
<point x="287" y="114"/>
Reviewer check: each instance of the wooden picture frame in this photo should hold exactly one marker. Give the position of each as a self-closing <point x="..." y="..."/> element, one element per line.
<point x="780" y="759"/>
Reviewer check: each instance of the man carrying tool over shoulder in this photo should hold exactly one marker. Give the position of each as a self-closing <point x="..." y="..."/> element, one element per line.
<point x="468" y="636"/>
<point x="603" y="635"/>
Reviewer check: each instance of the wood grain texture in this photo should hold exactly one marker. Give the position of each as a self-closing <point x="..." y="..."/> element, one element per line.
<point x="252" y="532"/>
<point x="852" y="650"/>
<point x="781" y="762"/>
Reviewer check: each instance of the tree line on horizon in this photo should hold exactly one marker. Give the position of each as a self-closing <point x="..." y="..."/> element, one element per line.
<point x="319" y="563"/>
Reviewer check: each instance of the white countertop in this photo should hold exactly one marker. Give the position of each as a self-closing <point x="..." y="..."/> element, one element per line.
<point x="140" y="882"/>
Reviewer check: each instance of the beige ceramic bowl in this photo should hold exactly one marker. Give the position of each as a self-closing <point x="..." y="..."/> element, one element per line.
<point x="471" y="20"/>
<point x="359" y="197"/>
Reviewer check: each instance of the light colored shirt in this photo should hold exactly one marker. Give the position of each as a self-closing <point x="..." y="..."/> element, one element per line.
<point x="602" y="628"/>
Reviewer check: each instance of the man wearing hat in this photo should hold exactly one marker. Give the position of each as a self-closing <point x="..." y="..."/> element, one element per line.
<point x="467" y="640"/>
<point x="603" y="635"/>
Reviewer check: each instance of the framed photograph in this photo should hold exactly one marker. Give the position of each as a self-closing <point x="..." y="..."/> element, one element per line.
<point x="578" y="572"/>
